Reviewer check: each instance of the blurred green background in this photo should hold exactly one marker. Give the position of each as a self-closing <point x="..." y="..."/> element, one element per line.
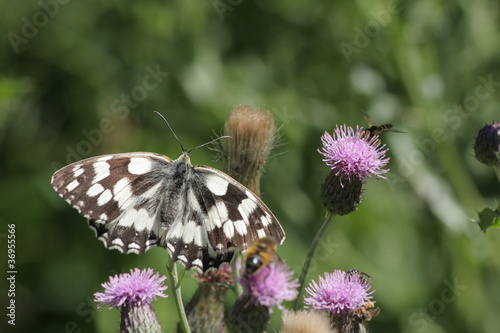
<point x="76" y="82"/>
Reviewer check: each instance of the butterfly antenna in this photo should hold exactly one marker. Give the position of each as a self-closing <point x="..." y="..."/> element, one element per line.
<point x="210" y="142"/>
<point x="171" y="130"/>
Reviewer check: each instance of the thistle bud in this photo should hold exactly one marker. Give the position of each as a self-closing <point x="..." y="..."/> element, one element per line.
<point x="340" y="198"/>
<point x="205" y="310"/>
<point x="487" y="145"/>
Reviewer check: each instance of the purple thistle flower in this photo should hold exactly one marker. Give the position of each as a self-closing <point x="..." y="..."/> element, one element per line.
<point x="133" y="293"/>
<point x="128" y="289"/>
<point x="338" y="293"/>
<point x="354" y="154"/>
<point x="487" y="145"/>
<point x="271" y="285"/>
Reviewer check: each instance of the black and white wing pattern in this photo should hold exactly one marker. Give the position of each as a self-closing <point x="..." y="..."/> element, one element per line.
<point x="135" y="201"/>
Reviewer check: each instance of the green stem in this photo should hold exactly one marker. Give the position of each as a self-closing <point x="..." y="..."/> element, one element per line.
<point x="310" y="255"/>
<point x="497" y="171"/>
<point x="174" y="281"/>
<point x="238" y="288"/>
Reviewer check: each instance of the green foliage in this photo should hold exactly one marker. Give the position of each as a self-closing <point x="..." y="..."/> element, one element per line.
<point x="489" y="218"/>
<point x="82" y="78"/>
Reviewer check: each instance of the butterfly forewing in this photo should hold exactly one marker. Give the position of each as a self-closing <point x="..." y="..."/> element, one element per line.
<point x="136" y="201"/>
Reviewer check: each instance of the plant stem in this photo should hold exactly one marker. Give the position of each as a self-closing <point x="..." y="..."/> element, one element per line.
<point x="238" y="288"/>
<point x="310" y="255"/>
<point x="174" y="281"/>
<point x="497" y="171"/>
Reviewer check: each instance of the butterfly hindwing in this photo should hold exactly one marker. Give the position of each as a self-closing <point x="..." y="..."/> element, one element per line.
<point x="235" y="213"/>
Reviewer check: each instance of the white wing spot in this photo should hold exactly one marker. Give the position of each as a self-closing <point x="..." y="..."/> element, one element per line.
<point x="240" y="227"/>
<point x="122" y="192"/>
<point x="101" y="170"/>
<point x="77" y="172"/>
<point x="228" y="228"/>
<point x="261" y="233"/>
<point x="171" y="248"/>
<point x="95" y="190"/>
<point x="198" y="236"/>
<point x="103" y="217"/>
<point x="217" y="185"/>
<point x="142" y="221"/>
<point x="182" y="258"/>
<point x="117" y="242"/>
<point x="247" y="206"/>
<point x="197" y="263"/>
<point x="139" y="219"/>
<point x="152" y="191"/>
<point x="217" y="215"/>
<point x="105" y="158"/>
<point x="189" y="231"/>
<point x="71" y="186"/>
<point x="133" y="251"/>
<point x="175" y="230"/>
<point x="104" y="198"/>
<point x="139" y="165"/>
<point x="134" y="246"/>
<point x="266" y="220"/>
<point x="150" y="243"/>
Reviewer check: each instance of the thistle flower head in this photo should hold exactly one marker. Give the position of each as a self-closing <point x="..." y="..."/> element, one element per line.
<point x="487" y="145"/>
<point x="338" y="293"/>
<point x="354" y="154"/>
<point x="127" y="289"/>
<point x="271" y="285"/>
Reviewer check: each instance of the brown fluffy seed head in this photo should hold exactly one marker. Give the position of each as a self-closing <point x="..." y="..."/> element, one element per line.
<point x="252" y="135"/>
<point x="306" y="322"/>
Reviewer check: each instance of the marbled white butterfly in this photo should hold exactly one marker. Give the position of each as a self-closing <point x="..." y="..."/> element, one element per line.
<point x="135" y="201"/>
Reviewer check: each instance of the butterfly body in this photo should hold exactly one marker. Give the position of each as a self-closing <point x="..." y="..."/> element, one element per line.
<point x="135" y="201"/>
